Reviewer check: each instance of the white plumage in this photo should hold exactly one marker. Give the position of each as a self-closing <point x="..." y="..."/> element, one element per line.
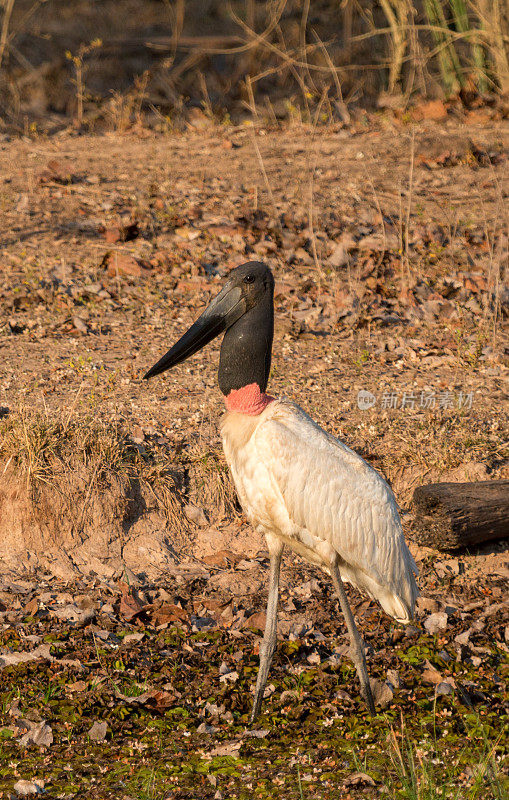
<point x="307" y="488"/>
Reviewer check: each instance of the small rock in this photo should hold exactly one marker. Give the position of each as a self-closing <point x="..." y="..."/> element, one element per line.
<point x="359" y="779"/>
<point x="117" y="264"/>
<point x="259" y="733"/>
<point x="443" y="688"/>
<point x="462" y="638"/>
<point x="382" y="692"/>
<point x="394" y="679"/>
<point x="80" y="324"/>
<point x="436" y="622"/>
<point x="97" y="732"/>
<point x="229" y="676"/>
<point x="72" y="613"/>
<point x="39" y="734"/>
<point x="206" y="728"/>
<point x="196" y="515"/>
<point x="427" y="604"/>
<point x="132" y="637"/>
<point x="27" y="788"/>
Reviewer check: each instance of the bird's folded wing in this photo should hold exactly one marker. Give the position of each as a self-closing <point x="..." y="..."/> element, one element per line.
<point x="335" y="495"/>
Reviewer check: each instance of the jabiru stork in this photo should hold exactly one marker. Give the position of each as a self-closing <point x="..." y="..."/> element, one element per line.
<point x="297" y="484"/>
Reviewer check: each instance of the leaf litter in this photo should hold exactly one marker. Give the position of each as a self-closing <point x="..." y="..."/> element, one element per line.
<point x="134" y="680"/>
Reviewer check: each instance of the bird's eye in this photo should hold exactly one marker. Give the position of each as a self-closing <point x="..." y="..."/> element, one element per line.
<point x="249" y="279"/>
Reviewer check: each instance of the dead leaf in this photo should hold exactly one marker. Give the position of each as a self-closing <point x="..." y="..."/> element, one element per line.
<point x="130" y="605"/>
<point x="433" y="109"/>
<point x="462" y="638"/>
<point x="121" y="233"/>
<point x="133" y="637"/>
<point x="77" y="686"/>
<point x="9" y="659"/>
<point x="256" y="621"/>
<point x="431" y="674"/>
<point x="339" y="256"/>
<point x="156" y="699"/>
<point x="72" y="613"/>
<point x="259" y="733"/>
<point x="225" y="749"/>
<point x="57" y="172"/>
<point x="117" y="264"/>
<point x="222" y="558"/>
<point x="187" y="233"/>
<point x="32" y="607"/>
<point x="80" y="324"/>
<point x="166" y="614"/>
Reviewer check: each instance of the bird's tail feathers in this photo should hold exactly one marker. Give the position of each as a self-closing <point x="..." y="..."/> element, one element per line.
<point x="398" y="599"/>
<point x="401" y="609"/>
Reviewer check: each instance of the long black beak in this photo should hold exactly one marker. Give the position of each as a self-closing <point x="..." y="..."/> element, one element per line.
<point x="223" y="311"/>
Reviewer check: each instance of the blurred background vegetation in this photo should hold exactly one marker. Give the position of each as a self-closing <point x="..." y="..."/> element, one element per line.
<point x="109" y="63"/>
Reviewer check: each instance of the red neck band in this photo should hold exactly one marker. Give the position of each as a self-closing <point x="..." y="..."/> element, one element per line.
<point x="248" y="400"/>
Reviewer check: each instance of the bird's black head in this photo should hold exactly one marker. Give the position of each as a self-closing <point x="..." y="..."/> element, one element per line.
<point x="245" y="310"/>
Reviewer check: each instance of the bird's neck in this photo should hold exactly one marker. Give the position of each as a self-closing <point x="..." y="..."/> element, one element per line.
<point x="246" y="348"/>
<point x="248" y="400"/>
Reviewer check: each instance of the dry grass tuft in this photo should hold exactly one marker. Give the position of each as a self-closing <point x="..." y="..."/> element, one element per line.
<point x="87" y="471"/>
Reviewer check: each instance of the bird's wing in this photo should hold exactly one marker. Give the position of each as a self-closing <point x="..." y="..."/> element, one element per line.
<point x="332" y="493"/>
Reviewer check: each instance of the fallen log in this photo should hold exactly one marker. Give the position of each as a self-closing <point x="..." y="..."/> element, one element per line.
<point x="450" y="516"/>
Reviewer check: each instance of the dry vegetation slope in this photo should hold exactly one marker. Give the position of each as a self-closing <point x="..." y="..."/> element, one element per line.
<point x="391" y="260"/>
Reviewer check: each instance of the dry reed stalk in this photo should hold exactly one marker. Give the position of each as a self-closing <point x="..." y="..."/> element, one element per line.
<point x="409" y="202"/>
<point x="496" y="36"/>
<point x="450" y="68"/>
<point x="311" y="211"/>
<point x="397" y="13"/>
<point x="176" y="11"/>
<point x="341" y="105"/>
<point x="4" y="34"/>
<point x="266" y="179"/>
<point x="378" y="205"/>
<point x="463" y="25"/>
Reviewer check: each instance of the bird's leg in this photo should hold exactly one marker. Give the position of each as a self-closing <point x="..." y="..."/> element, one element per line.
<point x="270" y="635"/>
<point x="356" y="648"/>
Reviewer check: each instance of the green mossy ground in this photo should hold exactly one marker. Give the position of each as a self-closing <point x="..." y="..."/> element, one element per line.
<point x="308" y="743"/>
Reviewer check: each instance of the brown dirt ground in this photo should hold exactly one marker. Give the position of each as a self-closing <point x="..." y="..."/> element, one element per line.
<point x="79" y="332"/>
